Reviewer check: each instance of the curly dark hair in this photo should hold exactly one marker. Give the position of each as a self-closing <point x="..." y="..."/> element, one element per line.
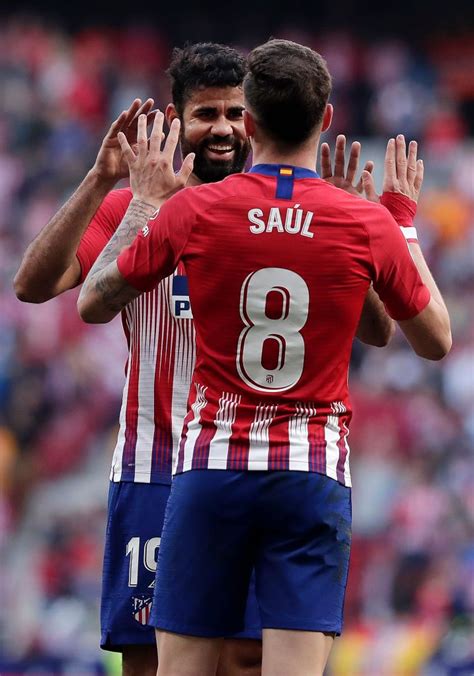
<point x="287" y="88"/>
<point x="204" y="64"/>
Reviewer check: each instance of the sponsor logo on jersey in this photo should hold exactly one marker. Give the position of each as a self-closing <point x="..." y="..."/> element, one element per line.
<point x="180" y="304"/>
<point x="142" y="609"/>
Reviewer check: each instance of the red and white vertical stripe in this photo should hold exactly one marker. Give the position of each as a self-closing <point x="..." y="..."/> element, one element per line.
<point x="224" y="420"/>
<point x="304" y="439"/>
<point x="193" y="428"/>
<point x="337" y="448"/>
<point x="298" y="436"/>
<point x="259" y="436"/>
<point x="160" y="365"/>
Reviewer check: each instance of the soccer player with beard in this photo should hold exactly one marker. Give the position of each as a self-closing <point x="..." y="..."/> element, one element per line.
<point x="207" y="98"/>
<point x="279" y="264"/>
<point x="208" y="101"/>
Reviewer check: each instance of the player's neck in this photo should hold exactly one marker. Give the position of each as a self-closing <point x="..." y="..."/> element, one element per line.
<point x="301" y="157"/>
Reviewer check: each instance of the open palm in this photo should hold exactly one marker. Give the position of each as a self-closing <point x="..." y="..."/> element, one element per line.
<point x="110" y="163"/>
<point x="340" y="177"/>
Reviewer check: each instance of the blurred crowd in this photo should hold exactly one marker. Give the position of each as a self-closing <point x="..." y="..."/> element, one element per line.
<point x="410" y="601"/>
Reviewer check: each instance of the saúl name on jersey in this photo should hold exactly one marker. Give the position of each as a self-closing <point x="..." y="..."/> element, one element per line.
<point x="293" y="220"/>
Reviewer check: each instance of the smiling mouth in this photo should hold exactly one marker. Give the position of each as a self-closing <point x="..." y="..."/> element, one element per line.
<point x="223" y="152"/>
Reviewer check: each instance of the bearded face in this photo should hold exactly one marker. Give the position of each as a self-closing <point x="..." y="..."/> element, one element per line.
<point x="213" y="129"/>
<point x="216" y="156"/>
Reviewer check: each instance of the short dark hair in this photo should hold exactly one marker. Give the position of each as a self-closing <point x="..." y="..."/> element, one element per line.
<point x="204" y="64"/>
<point x="287" y="87"/>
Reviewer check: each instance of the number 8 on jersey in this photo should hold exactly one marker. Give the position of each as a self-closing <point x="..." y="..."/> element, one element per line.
<point x="274" y="306"/>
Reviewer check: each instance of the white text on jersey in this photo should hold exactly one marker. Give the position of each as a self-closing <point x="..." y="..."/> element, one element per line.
<point x="294" y="221"/>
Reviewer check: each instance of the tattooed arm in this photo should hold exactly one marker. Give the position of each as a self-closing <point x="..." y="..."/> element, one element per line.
<point x="105" y="292"/>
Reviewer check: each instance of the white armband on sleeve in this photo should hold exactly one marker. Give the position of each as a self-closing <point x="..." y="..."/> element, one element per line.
<point x="409" y="233"/>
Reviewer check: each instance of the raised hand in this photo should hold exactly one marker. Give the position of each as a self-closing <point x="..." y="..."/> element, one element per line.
<point x="403" y="174"/>
<point x="152" y="177"/>
<point x="341" y="178"/>
<point x="110" y="164"/>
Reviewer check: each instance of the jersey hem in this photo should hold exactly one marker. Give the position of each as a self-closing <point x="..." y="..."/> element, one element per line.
<point x="256" y="466"/>
<point x="141" y="478"/>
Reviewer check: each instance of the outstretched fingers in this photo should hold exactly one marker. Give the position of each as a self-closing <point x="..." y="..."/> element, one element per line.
<point x="420" y="170"/>
<point x="368" y="167"/>
<point x="132" y="121"/>
<point x="411" y="163"/>
<point x="117" y="125"/>
<point x="186" y="168"/>
<point x="128" y="119"/>
<point x="172" y="140"/>
<point x="326" y="168"/>
<point x="156" y="135"/>
<point x="340" y="155"/>
<point x="127" y="151"/>
<point x="390" y="168"/>
<point x="403" y="172"/>
<point x="125" y="118"/>
<point x="368" y="186"/>
<point x="132" y="111"/>
<point x="142" y="137"/>
<point x="145" y="108"/>
<point x="401" y="155"/>
<point x="353" y="163"/>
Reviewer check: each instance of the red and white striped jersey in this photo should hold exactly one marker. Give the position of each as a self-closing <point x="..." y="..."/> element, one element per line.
<point x="279" y="263"/>
<point x="161" y="342"/>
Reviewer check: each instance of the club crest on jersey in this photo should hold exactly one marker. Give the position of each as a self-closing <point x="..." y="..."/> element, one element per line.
<point x="180" y="304"/>
<point x="142" y="609"/>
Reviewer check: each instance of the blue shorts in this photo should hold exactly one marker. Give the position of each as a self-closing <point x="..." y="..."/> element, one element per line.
<point x="135" y="520"/>
<point x="293" y="528"/>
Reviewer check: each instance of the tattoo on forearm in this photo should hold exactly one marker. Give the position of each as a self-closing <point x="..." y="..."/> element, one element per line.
<point x="113" y="298"/>
<point x="136" y="216"/>
<point x="98" y="280"/>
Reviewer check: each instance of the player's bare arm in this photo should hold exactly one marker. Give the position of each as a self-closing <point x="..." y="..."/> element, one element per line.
<point x="104" y="278"/>
<point x="429" y="333"/>
<point x="375" y="326"/>
<point x="49" y="266"/>
<point x="152" y="180"/>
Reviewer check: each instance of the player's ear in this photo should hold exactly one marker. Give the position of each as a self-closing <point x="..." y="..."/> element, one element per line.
<point x="249" y="124"/>
<point x="327" y="117"/>
<point x="171" y="113"/>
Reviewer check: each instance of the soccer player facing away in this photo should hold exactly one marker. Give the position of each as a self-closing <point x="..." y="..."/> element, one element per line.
<point x="207" y="94"/>
<point x="208" y="100"/>
<point x="279" y="263"/>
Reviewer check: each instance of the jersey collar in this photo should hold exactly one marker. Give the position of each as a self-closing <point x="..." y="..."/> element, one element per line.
<point x="279" y="169"/>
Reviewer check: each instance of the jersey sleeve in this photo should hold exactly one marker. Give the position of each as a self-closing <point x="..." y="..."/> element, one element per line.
<point x="103" y="225"/>
<point x="156" y="250"/>
<point x="396" y="277"/>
